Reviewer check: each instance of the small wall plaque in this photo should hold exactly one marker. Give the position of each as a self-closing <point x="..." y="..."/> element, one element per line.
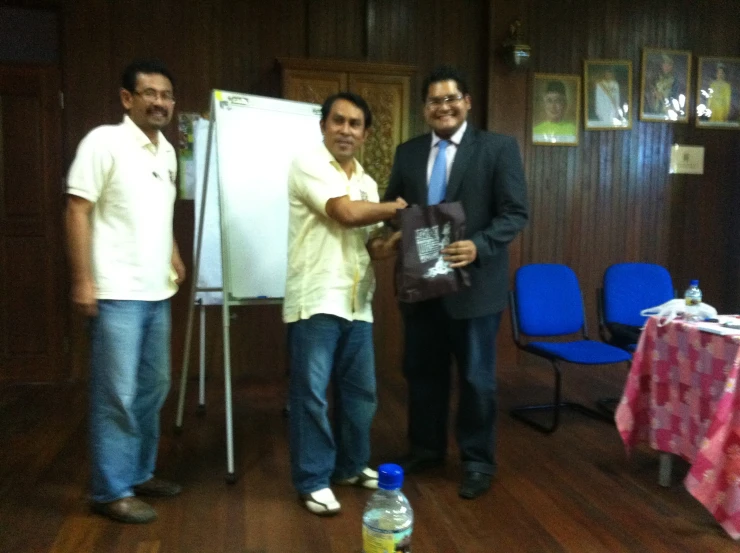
<point x="687" y="160"/>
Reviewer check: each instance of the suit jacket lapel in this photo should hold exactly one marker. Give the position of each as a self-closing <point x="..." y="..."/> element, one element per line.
<point x="462" y="159"/>
<point x="419" y="171"/>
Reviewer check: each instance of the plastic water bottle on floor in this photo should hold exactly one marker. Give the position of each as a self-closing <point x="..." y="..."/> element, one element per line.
<point x="388" y="519"/>
<point x="693" y="301"/>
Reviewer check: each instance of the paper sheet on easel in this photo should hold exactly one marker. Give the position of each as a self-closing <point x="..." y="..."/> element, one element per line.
<point x="687" y="160"/>
<point x="209" y="273"/>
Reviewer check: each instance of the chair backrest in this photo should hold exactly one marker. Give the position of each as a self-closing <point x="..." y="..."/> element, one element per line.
<point x="631" y="287"/>
<point x="548" y="300"/>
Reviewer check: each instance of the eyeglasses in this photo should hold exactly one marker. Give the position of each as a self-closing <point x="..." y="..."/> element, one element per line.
<point x="151" y="95"/>
<point x="443" y="101"/>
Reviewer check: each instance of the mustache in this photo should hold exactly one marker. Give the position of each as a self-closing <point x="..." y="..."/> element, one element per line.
<point x="156" y="109"/>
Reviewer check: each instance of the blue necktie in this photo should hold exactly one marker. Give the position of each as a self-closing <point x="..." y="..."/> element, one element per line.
<point x="438" y="179"/>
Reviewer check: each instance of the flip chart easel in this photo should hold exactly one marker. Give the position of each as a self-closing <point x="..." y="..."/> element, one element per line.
<point x="241" y="235"/>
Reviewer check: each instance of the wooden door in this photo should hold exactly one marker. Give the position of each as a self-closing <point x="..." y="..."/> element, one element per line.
<point x="385" y="87"/>
<point x="32" y="275"/>
<point x="314" y="86"/>
<point x="389" y="98"/>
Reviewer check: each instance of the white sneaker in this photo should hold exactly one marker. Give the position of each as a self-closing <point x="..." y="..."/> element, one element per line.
<point x="321" y="502"/>
<point x="367" y="478"/>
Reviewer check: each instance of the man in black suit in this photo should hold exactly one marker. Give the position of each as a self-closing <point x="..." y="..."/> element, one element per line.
<point x="484" y="172"/>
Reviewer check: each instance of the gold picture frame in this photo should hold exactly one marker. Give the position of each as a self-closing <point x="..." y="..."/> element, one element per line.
<point x="665" y="85"/>
<point x="718" y="93"/>
<point x="607" y="94"/>
<point x="556" y="109"/>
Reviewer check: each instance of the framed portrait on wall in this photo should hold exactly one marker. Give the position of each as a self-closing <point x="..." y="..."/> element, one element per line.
<point x="665" y="85"/>
<point x="718" y="93"/>
<point x="556" y="108"/>
<point x="607" y="95"/>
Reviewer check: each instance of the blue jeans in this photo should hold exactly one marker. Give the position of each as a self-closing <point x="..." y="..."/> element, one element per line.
<point x="129" y="381"/>
<point x="326" y="348"/>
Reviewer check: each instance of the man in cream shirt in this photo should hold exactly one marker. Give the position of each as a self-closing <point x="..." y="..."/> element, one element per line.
<point x="121" y="193"/>
<point x="330" y="283"/>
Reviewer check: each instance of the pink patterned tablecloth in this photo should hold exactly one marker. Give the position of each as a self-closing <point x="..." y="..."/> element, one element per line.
<point x="682" y="397"/>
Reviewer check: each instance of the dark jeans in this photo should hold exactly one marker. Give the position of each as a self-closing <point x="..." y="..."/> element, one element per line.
<point x="432" y="338"/>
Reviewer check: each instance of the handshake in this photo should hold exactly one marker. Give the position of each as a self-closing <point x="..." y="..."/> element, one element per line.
<point x="383" y="242"/>
<point x="395" y="221"/>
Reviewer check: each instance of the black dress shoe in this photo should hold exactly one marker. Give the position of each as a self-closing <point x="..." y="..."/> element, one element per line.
<point x="158" y="487"/>
<point x="128" y="509"/>
<point x="414" y="462"/>
<point x="474" y="484"/>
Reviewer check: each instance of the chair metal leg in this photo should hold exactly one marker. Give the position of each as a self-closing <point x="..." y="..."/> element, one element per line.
<point x="608" y="404"/>
<point x="664" y="470"/>
<point x="518" y="412"/>
<point x="555" y="407"/>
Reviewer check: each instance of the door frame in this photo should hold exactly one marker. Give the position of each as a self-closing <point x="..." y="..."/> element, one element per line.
<point x="46" y="79"/>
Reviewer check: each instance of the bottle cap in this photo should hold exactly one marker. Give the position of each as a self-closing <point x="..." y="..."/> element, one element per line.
<point x="694" y="282"/>
<point x="390" y="476"/>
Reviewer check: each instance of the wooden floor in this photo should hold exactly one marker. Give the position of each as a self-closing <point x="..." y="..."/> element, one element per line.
<point x="574" y="491"/>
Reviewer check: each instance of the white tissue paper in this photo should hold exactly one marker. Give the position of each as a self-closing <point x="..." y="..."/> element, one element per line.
<point x="669" y="310"/>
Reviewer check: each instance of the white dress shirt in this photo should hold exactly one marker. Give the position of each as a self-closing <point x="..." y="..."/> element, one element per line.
<point x="450" y="152"/>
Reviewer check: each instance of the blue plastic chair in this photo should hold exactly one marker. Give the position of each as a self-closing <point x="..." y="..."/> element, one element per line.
<point x="628" y="289"/>
<point x="547" y="303"/>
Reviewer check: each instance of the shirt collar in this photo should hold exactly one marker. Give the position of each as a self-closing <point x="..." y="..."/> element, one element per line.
<point x="142" y="139"/>
<point x="324" y="151"/>
<point x="454" y="139"/>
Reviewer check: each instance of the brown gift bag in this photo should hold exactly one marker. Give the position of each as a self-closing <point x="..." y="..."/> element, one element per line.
<point x="421" y="271"/>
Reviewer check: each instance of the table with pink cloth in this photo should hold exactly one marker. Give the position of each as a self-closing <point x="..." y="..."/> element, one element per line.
<point x="682" y="397"/>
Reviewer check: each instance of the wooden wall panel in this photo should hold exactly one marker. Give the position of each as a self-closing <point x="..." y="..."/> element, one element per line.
<point x="391" y="29"/>
<point x="609" y="199"/>
<point x="706" y="240"/>
<point x="732" y="272"/>
<point x="90" y="80"/>
<point x="233" y="44"/>
<point x="336" y="29"/>
<point x="427" y="34"/>
<point x="254" y="34"/>
<point x="507" y="108"/>
<point x="198" y="23"/>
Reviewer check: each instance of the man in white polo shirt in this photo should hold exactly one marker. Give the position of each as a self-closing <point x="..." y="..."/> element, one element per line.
<point x="333" y="210"/>
<point x="125" y="267"/>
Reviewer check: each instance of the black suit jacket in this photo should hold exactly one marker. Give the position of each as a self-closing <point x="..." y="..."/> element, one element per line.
<point x="488" y="178"/>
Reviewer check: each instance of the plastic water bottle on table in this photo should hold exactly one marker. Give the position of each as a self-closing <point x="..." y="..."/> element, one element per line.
<point x="693" y="302"/>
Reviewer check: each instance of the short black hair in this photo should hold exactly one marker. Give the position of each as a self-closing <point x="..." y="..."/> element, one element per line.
<point x="356" y="99"/>
<point x="150" y="66"/>
<point x="444" y="73"/>
<point x="555" y="86"/>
